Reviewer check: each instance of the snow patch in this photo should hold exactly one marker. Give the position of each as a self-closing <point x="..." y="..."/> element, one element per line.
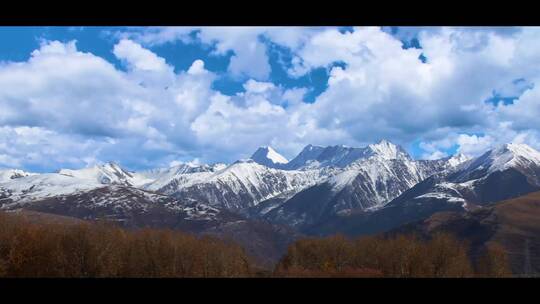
<point x="458" y="159"/>
<point x="267" y="156"/>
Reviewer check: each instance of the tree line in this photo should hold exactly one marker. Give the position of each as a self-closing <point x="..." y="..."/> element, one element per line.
<point x="31" y="249"/>
<point x="401" y="256"/>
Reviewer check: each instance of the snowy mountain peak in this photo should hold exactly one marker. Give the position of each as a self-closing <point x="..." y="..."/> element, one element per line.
<point x="501" y="158"/>
<point x="509" y="155"/>
<point x="388" y="150"/>
<point x="108" y="173"/>
<point x="268" y="157"/>
<point x="342" y="156"/>
<point x="306" y="157"/>
<point x="457" y="159"/>
<point x="519" y="150"/>
<point x="113" y="167"/>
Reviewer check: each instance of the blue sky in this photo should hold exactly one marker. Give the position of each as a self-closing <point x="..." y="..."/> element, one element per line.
<point x="147" y="97"/>
<point x="100" y="41"/>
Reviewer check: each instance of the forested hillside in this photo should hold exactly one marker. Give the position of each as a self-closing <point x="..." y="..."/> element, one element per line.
<point x="38" y="245"/>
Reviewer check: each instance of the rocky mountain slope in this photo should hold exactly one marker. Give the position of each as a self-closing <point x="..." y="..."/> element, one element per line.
<point x="507" y="171"/>
<point x="382" y="173"/>
<point x="514" y="224"/>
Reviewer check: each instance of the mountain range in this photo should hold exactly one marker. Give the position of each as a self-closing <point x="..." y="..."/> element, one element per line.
<point x="266" y="201"/>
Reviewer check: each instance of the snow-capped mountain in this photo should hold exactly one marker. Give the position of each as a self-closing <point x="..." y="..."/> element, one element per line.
<point x="267" y="156"/>
<point x="24" y="187"/>
<point x="348" y="178"/>
<point x="127" y="205"/>
<point x="455" y="160"/>
<point x="44" y="185"/>
<point x="313" y="157"/>
<point x="341" y="156"/>
<point x="241" y="185"/>
<point x="157" y="178"/>
<point x="505" y="172"/>
<point x="109" y="173"/>
<point x="519" y="157"/>
<point x="382" y="173"/>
